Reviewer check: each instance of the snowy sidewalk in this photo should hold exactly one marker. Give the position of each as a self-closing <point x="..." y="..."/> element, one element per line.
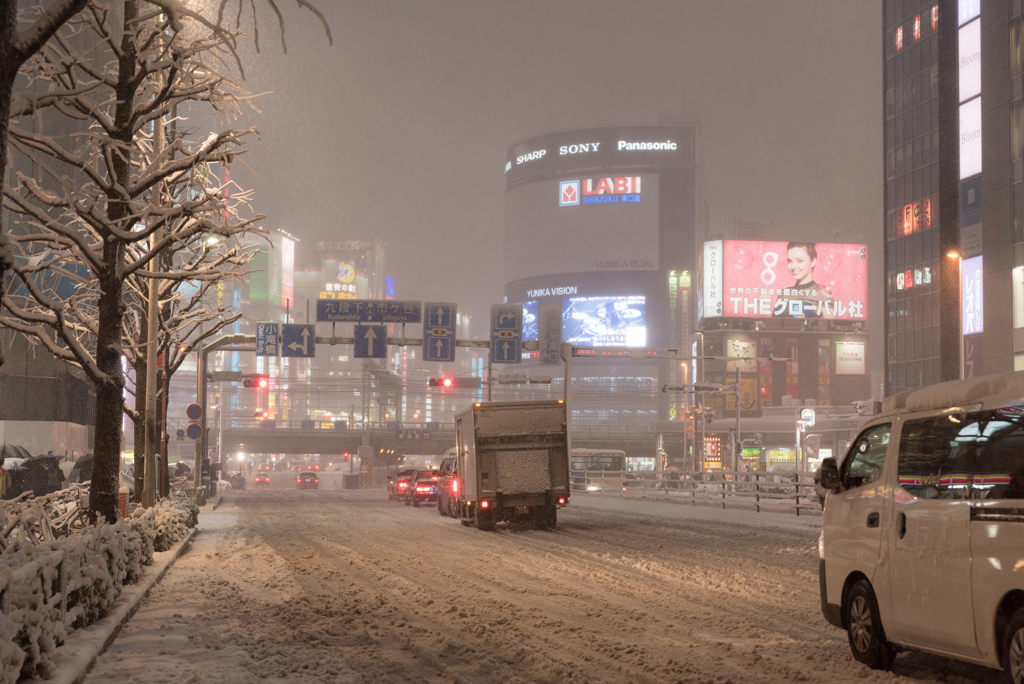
<point x="73" y="660"/>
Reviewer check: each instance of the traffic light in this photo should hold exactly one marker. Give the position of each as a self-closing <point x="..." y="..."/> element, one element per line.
<point x="450" y="382"/>
<point x="258" y="381"/>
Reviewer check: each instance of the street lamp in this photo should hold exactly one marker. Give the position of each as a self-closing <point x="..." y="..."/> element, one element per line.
<point x="953" y="254"/>
<point x="801" y="425"/>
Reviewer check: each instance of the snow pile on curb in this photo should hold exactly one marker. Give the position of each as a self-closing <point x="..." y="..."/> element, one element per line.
<point x="51" y="588"/>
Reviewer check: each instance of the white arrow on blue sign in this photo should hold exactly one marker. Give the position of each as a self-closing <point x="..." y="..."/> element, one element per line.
<point x="439" y="332"/>
<point x="506" y="333"/>
<point x="371" y="341"/>
<point x="298" y="340"/>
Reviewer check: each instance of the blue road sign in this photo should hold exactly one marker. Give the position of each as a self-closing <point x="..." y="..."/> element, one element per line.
<point x="268" y="336"/>
<point x="371" y="341"/>
<point x="194" y="431"/>
<point x="506" y="333"/>
<point x="298" y="340"/>
<point x="439" y="332"/>
<point x="368" y="311"/>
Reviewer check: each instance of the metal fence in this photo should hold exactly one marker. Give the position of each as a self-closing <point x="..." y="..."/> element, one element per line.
<point x="778" y="491"/>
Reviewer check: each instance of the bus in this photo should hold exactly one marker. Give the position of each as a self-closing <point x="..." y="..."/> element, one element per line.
<point x="595" y="470"/>
<point x="597" y="459"/>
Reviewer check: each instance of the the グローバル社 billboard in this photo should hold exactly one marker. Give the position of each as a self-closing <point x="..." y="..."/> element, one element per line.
<point x="801" y="279"/>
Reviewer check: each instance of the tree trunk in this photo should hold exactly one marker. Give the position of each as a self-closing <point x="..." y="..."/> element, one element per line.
<point x="110" y="383"/>
<point x="109" y="388"/>
<point x="8" y="72"/>
<point x="139" y="423"/>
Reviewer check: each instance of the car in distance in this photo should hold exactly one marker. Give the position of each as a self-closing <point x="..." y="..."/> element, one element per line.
<point x="397" y="484"/>
<point x="261" y="480"/>
<point x="447" y="489"/>
<point x="422" y="488"/>
<point x="307" y="480"/>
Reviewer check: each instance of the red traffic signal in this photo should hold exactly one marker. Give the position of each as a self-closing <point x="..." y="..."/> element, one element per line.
<point x="449" y="382"/>
<point x="258" y="381"/>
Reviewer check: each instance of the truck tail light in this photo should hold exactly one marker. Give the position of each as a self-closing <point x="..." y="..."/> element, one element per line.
<point x="561" y="501"/>
<point x="485" y="504"/>
<point x="455" y="486"/>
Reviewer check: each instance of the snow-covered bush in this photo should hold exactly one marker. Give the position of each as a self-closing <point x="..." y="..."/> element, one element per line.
<point x="48" y="589"/>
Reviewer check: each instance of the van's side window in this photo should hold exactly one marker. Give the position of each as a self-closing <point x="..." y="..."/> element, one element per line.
<point x="866" y="457"/>
<point x="938" y="454"/>
<point x="999" y="472"/>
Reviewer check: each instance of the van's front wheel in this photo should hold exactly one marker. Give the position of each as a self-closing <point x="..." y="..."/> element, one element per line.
<point x="864" y="628"/>
<point x="1013" y="649"/>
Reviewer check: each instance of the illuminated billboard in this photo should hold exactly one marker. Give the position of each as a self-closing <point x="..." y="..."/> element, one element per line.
<point x="578" y="223"/>
<point x="753" y="279"/>
<point x="618" y="321"/>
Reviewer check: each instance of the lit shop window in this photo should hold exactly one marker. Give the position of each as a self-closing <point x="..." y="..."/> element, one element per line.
<point x="935" y="17"/>
<point x="917" y="27"/>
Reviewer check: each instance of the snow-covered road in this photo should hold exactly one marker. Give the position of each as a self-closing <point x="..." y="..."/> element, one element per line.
<point x="345" y="586"/>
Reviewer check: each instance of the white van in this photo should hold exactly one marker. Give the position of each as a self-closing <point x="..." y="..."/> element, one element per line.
<point x="922" y="543"/>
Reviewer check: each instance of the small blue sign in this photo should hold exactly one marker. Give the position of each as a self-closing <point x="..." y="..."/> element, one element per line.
<point x="389" y="287"/>
<point x="439" y="332"/>
<point x="368" y="311"/>
<point x="371" y="341"/>
<point x="267" y="338"/>
<point x="506" y="333"/>
<point x="298" y="340"/>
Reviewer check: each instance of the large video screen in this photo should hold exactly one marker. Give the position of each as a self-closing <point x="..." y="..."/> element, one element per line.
<point x="619" y="321"/>
<point x="751" y="279"/>
<point x="531" y="331"/>
<point x="582" y="223"/>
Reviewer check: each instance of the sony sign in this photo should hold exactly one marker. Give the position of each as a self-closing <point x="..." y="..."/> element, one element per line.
<point x="578" y="149"/>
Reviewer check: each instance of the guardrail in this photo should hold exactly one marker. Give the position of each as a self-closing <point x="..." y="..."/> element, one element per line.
<point x="778" y="491"/>
<point x="638" y="432"/>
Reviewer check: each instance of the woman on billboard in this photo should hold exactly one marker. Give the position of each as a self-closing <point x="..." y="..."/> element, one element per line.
<point x="806" y="299"/>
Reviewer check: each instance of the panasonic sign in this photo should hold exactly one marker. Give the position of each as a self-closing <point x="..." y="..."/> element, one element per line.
<point x="631" y="146"/>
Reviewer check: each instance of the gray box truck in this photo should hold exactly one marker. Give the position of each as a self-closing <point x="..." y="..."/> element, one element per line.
<point x="512" y="463"/>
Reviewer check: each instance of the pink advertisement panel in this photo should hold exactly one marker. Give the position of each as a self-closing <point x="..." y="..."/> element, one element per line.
<point x="795" y="280"/>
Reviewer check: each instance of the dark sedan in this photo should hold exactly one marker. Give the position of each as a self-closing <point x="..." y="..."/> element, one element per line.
<point x="422" y="489"/>
<point x="307" y="480"/>
<point x="261" y="480"/>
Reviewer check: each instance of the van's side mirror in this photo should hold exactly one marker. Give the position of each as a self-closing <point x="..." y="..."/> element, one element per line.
<point x="829" y="475"/>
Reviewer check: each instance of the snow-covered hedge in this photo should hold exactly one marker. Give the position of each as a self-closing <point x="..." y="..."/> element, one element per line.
<point x="51" y="588"/>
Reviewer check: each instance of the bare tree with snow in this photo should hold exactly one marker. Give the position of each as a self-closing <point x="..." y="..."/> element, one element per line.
<point x="107" y="201"/>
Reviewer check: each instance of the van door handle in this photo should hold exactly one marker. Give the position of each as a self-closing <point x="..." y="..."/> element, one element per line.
<point x="872" y="519"/>
<point x="903" y="525"/>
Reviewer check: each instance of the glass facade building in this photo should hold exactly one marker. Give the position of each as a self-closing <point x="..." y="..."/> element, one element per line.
<point x="954" y="190"/>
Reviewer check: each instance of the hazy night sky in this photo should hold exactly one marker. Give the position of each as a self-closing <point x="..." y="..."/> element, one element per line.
<point x="399" y="130"/>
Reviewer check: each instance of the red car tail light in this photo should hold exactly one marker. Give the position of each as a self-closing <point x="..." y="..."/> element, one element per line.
<point x="455" y="486"/>
<point x="423" y="488"/>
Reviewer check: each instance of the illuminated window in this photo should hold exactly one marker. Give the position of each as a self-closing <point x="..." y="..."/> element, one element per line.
<point x="908" y="280"/>
<point x="935" y="17"/>
<point x="917" y="27"/>
<point x="899" y="38"/>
